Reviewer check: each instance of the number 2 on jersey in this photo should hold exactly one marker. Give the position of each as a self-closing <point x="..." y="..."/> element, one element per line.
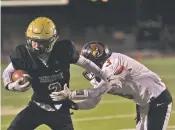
<point x="55" y="87"/>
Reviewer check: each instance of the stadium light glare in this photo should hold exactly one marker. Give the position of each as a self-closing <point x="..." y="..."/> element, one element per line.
<point x="104" y="0"/>
<point x="93" y="0"/>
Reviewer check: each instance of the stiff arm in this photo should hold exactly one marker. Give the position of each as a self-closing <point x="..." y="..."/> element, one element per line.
<point x="112" y="71"/>
<point x="92" y="96"/>
<point x="91" y="67"/>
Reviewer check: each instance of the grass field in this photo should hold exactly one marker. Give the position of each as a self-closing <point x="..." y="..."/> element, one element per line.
<point x="112" y="113"/>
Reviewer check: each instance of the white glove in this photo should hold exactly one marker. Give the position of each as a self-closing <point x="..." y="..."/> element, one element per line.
<point x="16" y="86"/>
<point x="61" y="95"/>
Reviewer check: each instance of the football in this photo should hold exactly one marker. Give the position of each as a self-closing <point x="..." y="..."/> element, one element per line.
<point x="20" y="73"/>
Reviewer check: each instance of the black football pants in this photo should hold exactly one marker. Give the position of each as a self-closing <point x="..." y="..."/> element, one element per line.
<point x="155" y="116"/>
<point x="33" y="116"/>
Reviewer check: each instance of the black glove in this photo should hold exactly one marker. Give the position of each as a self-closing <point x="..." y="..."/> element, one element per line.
<point x="69" y="104"/>
<point x="72" y="105"/>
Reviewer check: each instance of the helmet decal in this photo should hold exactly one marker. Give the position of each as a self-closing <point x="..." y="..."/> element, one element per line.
<point x="97" y="50"/>
<point x="38" y="30"/>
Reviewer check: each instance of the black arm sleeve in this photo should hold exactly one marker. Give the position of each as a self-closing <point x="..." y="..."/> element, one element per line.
<point x="66" y="51"/>
<point x="73" y="53"/>
<point x="17" y="58"/>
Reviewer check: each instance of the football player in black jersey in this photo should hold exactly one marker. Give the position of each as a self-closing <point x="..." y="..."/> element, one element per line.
<point x="47" y="61"/>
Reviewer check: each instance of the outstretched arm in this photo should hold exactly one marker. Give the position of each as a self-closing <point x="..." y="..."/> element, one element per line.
<point x="103" y="87"/>
<point x="90" y="93"/>
<point x="88" y="103"/>
<point x="91" y="67"/>
<point x="115" y="81"/>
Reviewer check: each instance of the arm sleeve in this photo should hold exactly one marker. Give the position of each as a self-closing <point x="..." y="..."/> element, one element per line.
<point x="17" y="62"/>
<point x="91" y="93"/>
<point x="88" y="104"/>
<point x="91" y="103"/>
<point x="73" y="53"/>
<point x="6" y="76"/>
<point x="103" y="86"/>
<point x="17" y="59"/>
<point x="65" y="51"/>
<point x="91" y="67"/>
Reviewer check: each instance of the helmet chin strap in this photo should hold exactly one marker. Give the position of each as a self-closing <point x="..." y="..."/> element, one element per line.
<point x="51" y="45"/>
<point x="45" y="56"/>
<point x="42" y="52"/>
<point x="39" y="51"/>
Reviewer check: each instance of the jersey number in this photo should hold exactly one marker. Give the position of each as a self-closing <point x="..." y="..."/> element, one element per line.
<point x="55" y="87"/>
<point x="108" y="62"/>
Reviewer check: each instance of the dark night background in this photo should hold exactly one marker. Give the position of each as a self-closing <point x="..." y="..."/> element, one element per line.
<point x="84" y="20"/>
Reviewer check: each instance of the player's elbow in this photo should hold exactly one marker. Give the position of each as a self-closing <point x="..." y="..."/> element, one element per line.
<point x="93" y="103"/>
<point x="95" y="95"/>
<point x="90" y="107"/>
<point x="6" y="79"/>
<point x="87" y="104"/>
<point x="93" y="106"/>
<point x="6" y="75"/>
<point x="99" y="95"/>
<point x="98" y="92"/>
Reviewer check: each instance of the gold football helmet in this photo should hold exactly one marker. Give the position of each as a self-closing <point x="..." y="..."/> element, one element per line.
<point x="43" y="31"/>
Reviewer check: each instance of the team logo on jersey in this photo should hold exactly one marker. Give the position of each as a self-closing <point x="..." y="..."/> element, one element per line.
<point x="97" y="50"/>
<point x="52" y="78"/>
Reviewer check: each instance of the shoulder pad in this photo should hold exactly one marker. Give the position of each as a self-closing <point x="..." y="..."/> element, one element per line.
<point x="111" y="64"/>
<point x="63" y="42"/>
<point x="20" y="50"/>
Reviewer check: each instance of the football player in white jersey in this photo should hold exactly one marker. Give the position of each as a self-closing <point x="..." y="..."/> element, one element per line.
<point x="129" y="79"/>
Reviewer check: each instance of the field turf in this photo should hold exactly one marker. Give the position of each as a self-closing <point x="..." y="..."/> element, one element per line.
<point x="113" y="112"/>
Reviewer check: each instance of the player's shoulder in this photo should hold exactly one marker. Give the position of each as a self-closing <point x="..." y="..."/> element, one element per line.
<point x="111" y="60"/>
<point x="112" y="63"/>
<point x="119" y="58"/>
<point x="19" y="50"/>
<point x="115" y="55"/>
<point x="19" y="55"/>
<point x="63" y="43"/>
<point x="66" y="48"/>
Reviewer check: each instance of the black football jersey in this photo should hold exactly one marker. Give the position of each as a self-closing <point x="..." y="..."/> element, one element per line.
<point x="50" y="77"/>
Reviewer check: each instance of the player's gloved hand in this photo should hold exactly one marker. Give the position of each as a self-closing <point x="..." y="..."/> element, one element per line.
<point x="17" y="86"/>
<point x="72" y="105"/>
<point x="61" y="95"/>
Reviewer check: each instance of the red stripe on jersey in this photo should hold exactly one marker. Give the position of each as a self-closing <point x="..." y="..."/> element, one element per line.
<point x="108" y="62"/>
<point x="119" y="70"/>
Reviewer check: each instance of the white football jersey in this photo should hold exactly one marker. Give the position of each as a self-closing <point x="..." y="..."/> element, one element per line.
<point x="143" y="85"/>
